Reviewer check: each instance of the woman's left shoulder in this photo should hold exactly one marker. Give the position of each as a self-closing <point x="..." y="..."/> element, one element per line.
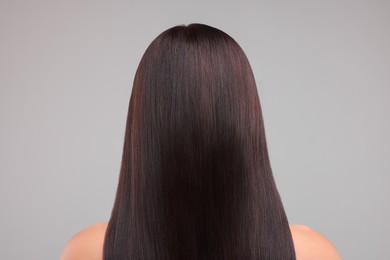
<point x="86" y="244"/>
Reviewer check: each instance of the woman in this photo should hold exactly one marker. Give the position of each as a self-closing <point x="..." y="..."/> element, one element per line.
<point x="195" y="179"/>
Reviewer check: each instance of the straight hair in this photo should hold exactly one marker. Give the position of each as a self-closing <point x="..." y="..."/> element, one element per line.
<point x="195" y="179"/>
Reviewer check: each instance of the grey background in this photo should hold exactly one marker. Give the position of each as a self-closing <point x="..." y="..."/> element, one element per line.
<point x="322" y="70"/>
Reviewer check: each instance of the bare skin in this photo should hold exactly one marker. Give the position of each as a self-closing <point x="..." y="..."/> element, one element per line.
<point x="309" y="244"/>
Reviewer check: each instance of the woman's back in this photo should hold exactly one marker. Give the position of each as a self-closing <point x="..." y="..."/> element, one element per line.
<point x="308" y="244"/>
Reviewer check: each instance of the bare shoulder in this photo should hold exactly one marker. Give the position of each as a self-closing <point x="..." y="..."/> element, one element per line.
<point x="87" y="244"/>
<point x="310" y="244"/>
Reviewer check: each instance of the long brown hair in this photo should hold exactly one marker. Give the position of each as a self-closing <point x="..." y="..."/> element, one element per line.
<point x="195" y="180"/>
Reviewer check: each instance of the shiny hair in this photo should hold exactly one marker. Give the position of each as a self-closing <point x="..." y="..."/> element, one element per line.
<point x="195" y="179"/>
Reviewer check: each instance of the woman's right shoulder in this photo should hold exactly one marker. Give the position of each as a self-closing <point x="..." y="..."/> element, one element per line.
<point x="310" y="244"/>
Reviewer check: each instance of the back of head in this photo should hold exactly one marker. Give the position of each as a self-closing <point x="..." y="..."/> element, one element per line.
<point x="195" y="180"/>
